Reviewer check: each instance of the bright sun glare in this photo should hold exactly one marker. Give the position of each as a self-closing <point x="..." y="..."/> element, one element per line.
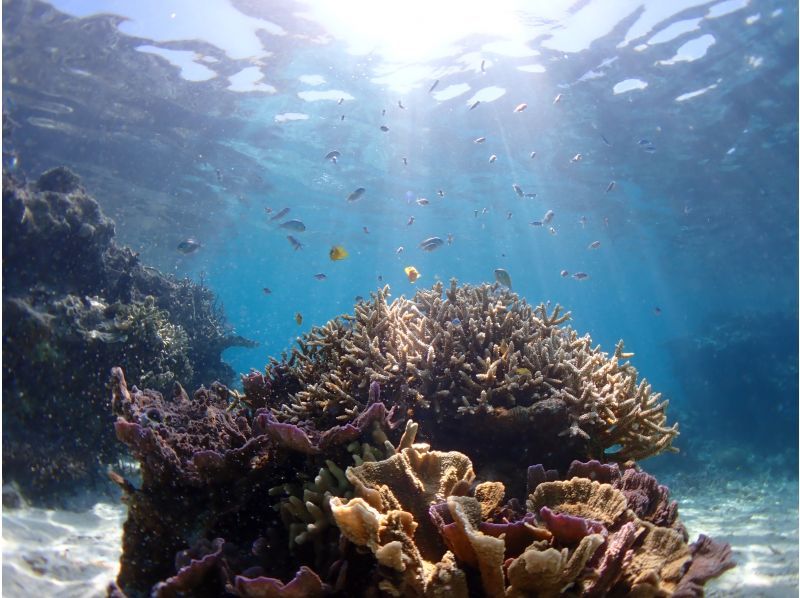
<point x="406" y="31"/>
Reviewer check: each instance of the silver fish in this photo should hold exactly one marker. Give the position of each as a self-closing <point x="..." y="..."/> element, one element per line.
<point x="280" y="214"/>
<point x="576" y="158"/>
<point x="518" y="190"/>
<point x="557" y="99"/>
<point x="474" y="104"/>
<point x="355" y="195"/>
<point x="188" y="246"/>
<point x="530" y="195"/>
<point x="533" y="155"/>
<point x="423" y="201"/>
<point x="502" y="277"/>
<point x="384" y="128"/>
<point x="400" y="105"/>
<point x="320" y="276"/>
<point x="594" y="245"/>
<point x="435" y="83"/>
<point x="295" y="243"/>
<point x="295" y="225"/>
<point x="440" y="193"/>
<point x="552" y="231"/>
<point x="611" y="186"/>
<point x="537" y="223"/>
<point x="580" y="275"/>
<point x="399" y="250"/>
<point x="548" y="216"/>
<point x="431" y="243"/>
<point x="479" y="140"/>
<point x="483" y="66"/>
<point x="333" y="155"/>
<point x="564" y="274"/>
<point x="492" y="158"/>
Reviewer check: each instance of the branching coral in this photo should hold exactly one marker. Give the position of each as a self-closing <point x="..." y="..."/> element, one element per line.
<point x="476" y="358"/>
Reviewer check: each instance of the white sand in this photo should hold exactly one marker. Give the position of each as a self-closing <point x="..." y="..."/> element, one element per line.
<point x="66" y="554"/>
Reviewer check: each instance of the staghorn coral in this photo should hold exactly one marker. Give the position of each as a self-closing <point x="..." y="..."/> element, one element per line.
<point x="476" y="358"/>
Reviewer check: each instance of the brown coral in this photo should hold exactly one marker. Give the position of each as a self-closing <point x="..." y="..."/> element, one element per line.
<point x="474" y="359"/>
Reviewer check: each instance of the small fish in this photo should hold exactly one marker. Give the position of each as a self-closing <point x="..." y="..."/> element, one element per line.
<point x="399" y="250"/>
<point x="576" y="158"/>
<point x="384" y="128"/>
<point x="365" y="229"/>
<point x="295" y="243"/>
<point x="548" y="217"/>
<point x="582" y="221"/>
<point x="492" y="158"/>
<point x="474" y="104"/>
<point x="400" y="105"/>
<point x="268" y="210"/>
<point x="383" y="112"/>
<point x="333" y="155"/>
<point x="449" y="238"/>
<point x="522" y="372"/>
<point x="405" y="161"/>
<point x="341" y="117"/>
<point x="188" y="246"/>
<point x="432" y="87"/>
<point x="533" y="155"/>
<point x="647" y="145"/>
<point x="520" y="107"/>
<point x="476" y="213"/>
<point x="508" y="216"/>
<point x="337" y="253"/>
<point x="531" y="195"/>
<point x="483" y="66"/>
<point x="267" y="291"/>
<point x="484" y="211"/>
<point x="422" y="201"/>
<point x="518" y="190"/>
<point x="580" y="275"/>
<point x="440" y="193"/>
<point x="431" y="243"/>
<point x="412" y="273"/>
<point x="339" y="103"/>
<point x="479" y="140"/>
<point x="552" y="231"/>
<point x="298" y="317"/>
<point x="374" y="393"/>
<point x="657" y="310"/>
<point x="358" y="298"/>
<point x="537" y="223"/>
<point x="410" y="221"/>
<point x="295" y="225"/>
<point x="594" y="245"/>
<point x="502" y="277"/>
<point x="456" y="322"/>
<point x="611" y="186"/>
<point x="564" y="274"/>
<point x="606" y="141"/>
<point x="380" y="277"/>
<point x="605" y="221"/>
<point x="320" y="276"/>
<point x="280" y="214"/>
<point x="218" y="172"/>
<point x="557" y="99"/>
<point x="356" y="195"/>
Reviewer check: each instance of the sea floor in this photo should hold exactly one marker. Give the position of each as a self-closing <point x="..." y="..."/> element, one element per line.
<point x="75" y="554"/>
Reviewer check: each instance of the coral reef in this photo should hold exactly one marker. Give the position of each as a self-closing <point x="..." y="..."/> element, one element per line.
<point x="76" y="304"/>
<point x="319" y="479"/>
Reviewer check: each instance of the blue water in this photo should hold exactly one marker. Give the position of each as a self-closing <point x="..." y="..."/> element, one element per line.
<point x="697" y="265"/>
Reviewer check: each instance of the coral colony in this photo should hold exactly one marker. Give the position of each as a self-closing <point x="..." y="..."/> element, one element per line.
<point x="459" y="443"/>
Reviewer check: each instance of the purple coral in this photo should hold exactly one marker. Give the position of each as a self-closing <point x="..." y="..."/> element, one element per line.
<point x="570" y="529"/>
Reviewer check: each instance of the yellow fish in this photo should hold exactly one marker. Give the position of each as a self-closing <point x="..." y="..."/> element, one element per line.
<point x="298" y="317"/>
<point x="337" y="253"/>
<point x="522" y="372"/>
<point x="412" y="273"/>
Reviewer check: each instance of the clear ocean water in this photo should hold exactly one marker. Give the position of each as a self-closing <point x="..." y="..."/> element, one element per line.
<point x="661" y="136"/>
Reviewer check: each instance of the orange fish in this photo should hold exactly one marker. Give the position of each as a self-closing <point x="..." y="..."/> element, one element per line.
<point x="412" y="273"/>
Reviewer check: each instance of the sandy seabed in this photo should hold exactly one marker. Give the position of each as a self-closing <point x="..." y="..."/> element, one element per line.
<point x="75" y="554"/>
